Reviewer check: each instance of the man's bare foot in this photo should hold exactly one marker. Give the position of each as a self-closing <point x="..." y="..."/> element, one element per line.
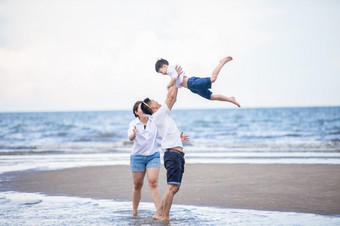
<point x="157" y="217"/>
<point x="226" y="59"/>
<point x="134" y="213"/>
<point x="233" y="100"/>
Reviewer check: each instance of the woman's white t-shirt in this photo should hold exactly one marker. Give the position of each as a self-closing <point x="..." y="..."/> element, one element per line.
<point x="167" y="128"/>
<point x="145" y="142"/>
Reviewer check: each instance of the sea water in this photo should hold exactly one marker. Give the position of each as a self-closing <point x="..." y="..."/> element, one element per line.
<point x="37" y="209"/>
<point x="56" y="140"/>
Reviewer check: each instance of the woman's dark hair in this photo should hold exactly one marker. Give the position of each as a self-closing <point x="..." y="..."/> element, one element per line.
<point x="135" y="107"/>
<point x="145" y="106"/>
<point x="160" y="64"/>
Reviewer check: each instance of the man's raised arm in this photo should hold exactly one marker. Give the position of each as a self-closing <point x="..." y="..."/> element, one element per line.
<point x="172" y="90"/>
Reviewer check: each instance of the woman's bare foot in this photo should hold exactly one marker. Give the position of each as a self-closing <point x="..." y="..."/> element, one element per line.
<point x="233" y="100"/>
<point x="226" y="59"/>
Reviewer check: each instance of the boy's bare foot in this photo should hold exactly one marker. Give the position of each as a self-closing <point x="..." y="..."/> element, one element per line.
<point x="233" y="100"/>
<point x="219" y="67"/>
<point x="226" y="59"/>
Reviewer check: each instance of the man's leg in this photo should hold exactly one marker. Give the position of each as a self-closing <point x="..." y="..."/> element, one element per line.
<point x="167" y="200"/>
<point x="218" y="68"/>
<point x="174" y="164"/>
<point x="164" y="209"/>
<point x="138" y="178"/>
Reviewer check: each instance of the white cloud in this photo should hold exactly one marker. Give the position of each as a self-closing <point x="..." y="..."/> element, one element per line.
<point x="86" y="55"/>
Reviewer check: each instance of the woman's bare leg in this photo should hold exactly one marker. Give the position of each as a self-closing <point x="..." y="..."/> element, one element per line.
<point x="152" y="174"/>
<point x="138" y="178"/>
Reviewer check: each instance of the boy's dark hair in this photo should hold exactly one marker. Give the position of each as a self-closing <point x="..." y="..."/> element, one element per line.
<point x="135" y="108"/>
<point x="160" y="64"/>
<point x="145" y="106"/>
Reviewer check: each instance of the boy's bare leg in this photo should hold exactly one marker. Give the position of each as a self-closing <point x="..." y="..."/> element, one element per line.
<point x="224" y="98"/>
<point x="219" y="67"/>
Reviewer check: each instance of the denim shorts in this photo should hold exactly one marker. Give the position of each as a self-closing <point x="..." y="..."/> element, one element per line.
<point x="200" y="86"/>
<point x="139" y="163"/>
<point x="174" y="165"/>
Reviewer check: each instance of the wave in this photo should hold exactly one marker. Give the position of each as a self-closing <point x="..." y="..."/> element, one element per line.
<point x="12" y="153"/>
<point x="72" y="148"/>
<point x="197" y="146"/>
<point x="107" y="135"/>
<point x="333" y="146"/>
<point x="16" y="147"/>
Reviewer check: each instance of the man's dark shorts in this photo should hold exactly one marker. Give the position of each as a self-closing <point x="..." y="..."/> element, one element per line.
<point x="174" y="165"/>
<point x="200" y="86"/>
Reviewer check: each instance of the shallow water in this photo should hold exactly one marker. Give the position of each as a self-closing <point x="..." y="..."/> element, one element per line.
<point x="36" y="209"/>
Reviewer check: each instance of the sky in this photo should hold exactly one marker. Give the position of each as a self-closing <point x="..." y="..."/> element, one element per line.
<point x="100" y="55"/>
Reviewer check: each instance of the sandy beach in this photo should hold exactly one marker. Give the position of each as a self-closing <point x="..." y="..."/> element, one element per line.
<point x="277" y="187"/>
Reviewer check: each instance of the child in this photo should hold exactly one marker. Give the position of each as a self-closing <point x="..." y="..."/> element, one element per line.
<point x="196" y="85"/>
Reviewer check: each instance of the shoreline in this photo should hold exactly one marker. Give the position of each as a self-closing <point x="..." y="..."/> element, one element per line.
<point x="306" y="188"/>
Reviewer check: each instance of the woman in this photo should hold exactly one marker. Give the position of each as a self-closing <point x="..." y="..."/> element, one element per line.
<point x="145" y="156"/>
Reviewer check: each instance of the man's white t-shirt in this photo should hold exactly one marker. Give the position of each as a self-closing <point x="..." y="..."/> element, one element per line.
<point x="167" y="128"/>
<point x="145" y="142"/>
<point x="173" y="74"/>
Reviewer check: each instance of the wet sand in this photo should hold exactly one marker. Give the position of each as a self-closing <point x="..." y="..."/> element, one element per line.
<point x="277" y="187"/>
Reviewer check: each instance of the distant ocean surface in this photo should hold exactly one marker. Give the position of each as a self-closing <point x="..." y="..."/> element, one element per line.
<point x="55" y="140"/>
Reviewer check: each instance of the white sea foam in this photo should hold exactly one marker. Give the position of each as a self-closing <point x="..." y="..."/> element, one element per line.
<point x="36" y="209"/>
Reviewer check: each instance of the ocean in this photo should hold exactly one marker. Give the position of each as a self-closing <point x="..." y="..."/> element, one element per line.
<point x="57" y="140"/>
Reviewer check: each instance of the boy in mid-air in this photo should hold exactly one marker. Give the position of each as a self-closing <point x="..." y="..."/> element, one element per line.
<point x="200" y="86"/>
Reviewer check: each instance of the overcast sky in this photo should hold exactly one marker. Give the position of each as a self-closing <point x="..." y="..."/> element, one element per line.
<point x="100" y="55"/>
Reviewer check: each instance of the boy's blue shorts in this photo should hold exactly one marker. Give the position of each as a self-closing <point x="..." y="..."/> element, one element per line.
<point x="139" y="163"/>
<point x="200" y="86"/>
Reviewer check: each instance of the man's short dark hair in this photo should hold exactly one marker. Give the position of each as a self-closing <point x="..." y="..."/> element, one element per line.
<point x="160" y="64"/>
<point x="135" y="107"/>
<point x="145" y="106"/>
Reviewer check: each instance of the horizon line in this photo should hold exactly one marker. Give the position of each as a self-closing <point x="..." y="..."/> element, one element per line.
<point x="212" y="108"/>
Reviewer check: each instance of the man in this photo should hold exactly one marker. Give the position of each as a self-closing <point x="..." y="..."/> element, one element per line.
<point x="171" y="143"/>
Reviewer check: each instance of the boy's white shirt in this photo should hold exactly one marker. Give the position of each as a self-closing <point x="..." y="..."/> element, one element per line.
<point x="173" y="74"/>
